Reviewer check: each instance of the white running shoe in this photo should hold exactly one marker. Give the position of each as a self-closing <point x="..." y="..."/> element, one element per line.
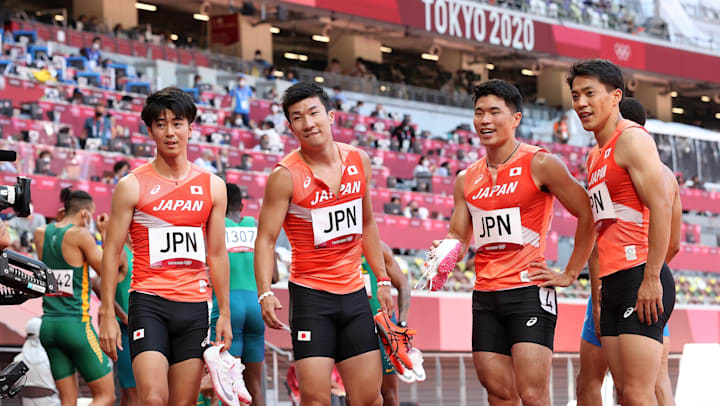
<point x="440" y="262"/>
<point x="226" y="373"/>
<point x="417" y="360"/>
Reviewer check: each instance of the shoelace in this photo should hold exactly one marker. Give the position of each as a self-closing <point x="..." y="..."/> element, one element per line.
<point x="397" y="337"/>
<point x="429" y="258"/>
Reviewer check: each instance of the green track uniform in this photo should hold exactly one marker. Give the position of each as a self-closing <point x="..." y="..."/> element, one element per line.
<point x="67" y="333"/>
<point x="122" y="295"/>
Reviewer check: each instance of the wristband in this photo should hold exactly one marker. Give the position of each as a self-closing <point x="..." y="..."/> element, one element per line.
<point x="383" y="279"/>
<point x="384" y="283"/>
<point x="264" y="295"/>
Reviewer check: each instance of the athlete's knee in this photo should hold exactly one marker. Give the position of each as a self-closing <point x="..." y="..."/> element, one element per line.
<point x="153" y="399"/>
<point x="587" y="382"/>
<point x="532" y="396"/>
<point x="104" y="399"/>
<point x="313" y="398"/>
<point x="638" y="395"/>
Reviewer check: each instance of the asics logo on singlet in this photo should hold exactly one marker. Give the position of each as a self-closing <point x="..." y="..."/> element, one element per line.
<point x="628" y="312"/>
<point x="306" y="182"/>
<point x="155" y="189"/>
<point x="179" y="205"/>
<point x="479" y="178"/>
<point x="531" y="322"/>
<point x="607" y="153"/>
<point x="496" y="190"/>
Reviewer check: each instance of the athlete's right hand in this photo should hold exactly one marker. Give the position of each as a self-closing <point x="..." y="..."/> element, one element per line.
<point x="269" y="305"/>
<point x="649" y="303"/>
<point x="110" y="336"/>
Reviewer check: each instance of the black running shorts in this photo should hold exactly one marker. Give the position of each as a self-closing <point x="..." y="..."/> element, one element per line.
<point x="325" y="324"/>
<point x="618" y="300"/>
<point x="178" y="330"/>
<point x="506" y="317"/>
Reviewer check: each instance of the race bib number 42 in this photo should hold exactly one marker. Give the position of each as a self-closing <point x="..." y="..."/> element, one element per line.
<point x="240" y="239"/>
<point x="176" y="247"/>
<point x="334" y="222"/>
<point x="498" y="230"/>
<point x="64" y="278"/>
<point x="602" y="206"/>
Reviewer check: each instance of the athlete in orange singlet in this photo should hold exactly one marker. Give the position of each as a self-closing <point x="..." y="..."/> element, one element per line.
<point x="504" y="201"/>
<point x="320" y="194"/>
<point x="175" y="214"/>
<point x="632" y="212"/>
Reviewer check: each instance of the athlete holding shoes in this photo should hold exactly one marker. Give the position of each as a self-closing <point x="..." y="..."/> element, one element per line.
<point x="505" y="201"/>
<point x="175" y="214"/>
<point x="320" y="194"/>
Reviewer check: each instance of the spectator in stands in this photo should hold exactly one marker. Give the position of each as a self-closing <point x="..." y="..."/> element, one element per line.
<point x="120" y="169"/>
<point x="291" y="76"/>
<point x="25" y="228"/>
<point x="334" y="67"/>
<point x="272" y="95"/>
<point x="197" y="81"/>
<point x="423" y="168"/>
<point x="207" y="159"/>
<point x="560" y="130"/>
<point x="99" y="126"/>
<point x="443" y="170"/>
<point x="395" y="207"/>
<point x="357" y="108"/>
<point x="276" y="117"/>
<point x="118" y="31"/>
<point x="404" y="134"/>
<point x="260" y="61"/>
<point x="379" y="112"/>
<point x="412" y="210"/>
<point x="66" y="138"/>
<point x="42" y="163"/>
<point x="81" y="22"/>
<point x="92" y="53"/>
<point x="695" y="183"/>
<point x="360" y="70"/>
<point x="273" y="142"/>
<point x="77" y="96"/>
<point x="92" y="25"/>
<point x="246" y="162"/>
<point x="338" y="98"/>
<point x="222" y="164"/>
<point x="241" y="96"/>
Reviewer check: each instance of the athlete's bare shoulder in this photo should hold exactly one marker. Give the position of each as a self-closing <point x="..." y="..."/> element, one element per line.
<point x="127" y="191"/>
<point x="279" y="183"/>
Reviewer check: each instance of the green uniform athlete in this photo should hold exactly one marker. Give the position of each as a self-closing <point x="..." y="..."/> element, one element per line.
<point x="399" y="281"/>
<point x="67" y="247"/>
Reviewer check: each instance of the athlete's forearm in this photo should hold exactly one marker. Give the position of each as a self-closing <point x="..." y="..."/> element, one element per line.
<point x="109" y="279"/>
<point x="220" y="279"/>
<point x="403" y="302"/>
<point x="658" y="238"/>
<point x="372" y="249"/>
<point x="264" y="258"/>
<point x="584" y="241"/>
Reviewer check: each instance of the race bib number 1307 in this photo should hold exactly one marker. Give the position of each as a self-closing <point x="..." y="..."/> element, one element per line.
<point x="176" y="247"/>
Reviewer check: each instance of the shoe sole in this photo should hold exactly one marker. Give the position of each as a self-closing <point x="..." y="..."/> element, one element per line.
<point x="446" y="265"/>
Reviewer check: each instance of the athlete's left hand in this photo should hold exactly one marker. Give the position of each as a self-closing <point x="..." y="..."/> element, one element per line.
<point x="223" y="332"/>
<point x="385" y="298"/>
<point x="649" y="303"/>
<point x="540" y="272"/>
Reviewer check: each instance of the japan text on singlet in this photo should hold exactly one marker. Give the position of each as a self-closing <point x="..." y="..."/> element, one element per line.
<point x="326" y="230"/>
<point x="510" y="221"/>
<point x="168" y="235"/>
<point x="621" y="218"/>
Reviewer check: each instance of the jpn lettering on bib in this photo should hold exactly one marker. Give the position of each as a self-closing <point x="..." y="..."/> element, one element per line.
<point x="337" y="224"/>
<point x="176" y="247"/>
<point x="497" y="230"/>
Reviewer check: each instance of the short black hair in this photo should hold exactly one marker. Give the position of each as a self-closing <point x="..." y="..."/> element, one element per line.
<point x="75" y="200"/>
<point x="119" y="165"/>
<point x="632" y="109"/>
<point x="502" y="89"/>
<point x="601" y="69"/>
<point x="301" y="91"/>
<point x="170" y="98"/>
<point x="234" y="198"/>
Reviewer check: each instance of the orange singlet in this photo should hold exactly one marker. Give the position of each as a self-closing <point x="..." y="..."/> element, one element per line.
<point x="325" y="230"/>
<point x="620" y="216"/>
<point x="168" y="235"/>
<point x="510" y="221"/>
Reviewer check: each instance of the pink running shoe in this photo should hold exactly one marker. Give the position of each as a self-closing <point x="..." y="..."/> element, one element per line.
<point x="440" y="262"/>
<point x="226" y="372"/>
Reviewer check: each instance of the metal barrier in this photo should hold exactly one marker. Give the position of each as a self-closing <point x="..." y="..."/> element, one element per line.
<point x="452" y="382"/>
